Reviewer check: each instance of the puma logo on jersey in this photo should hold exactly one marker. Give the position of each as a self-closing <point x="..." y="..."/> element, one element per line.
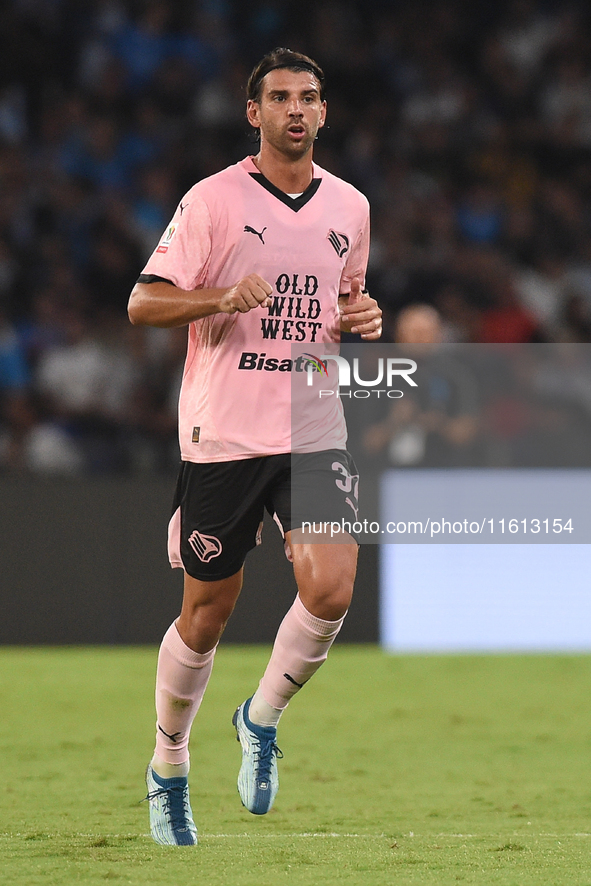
<point x="205" y="546"/>
<point x="249" y="230"/>
<point x="339" y="242"/>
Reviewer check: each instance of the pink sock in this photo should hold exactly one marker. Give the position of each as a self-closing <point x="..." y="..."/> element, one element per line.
<point x="181" y="680"/>
<point x="301" y="646"/>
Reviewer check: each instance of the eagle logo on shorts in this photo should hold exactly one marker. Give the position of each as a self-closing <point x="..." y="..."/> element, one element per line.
<point x="205" y="546"/>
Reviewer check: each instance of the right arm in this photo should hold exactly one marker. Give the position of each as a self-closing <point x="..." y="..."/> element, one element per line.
<point x="163" y="304"/>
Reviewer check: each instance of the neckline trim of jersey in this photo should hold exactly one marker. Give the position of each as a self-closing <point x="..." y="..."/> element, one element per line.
<point x="295" y="203"/>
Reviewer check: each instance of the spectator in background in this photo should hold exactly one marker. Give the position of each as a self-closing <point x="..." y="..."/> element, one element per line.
<point x="506" y="319"/>
<point x="436" y="423"/>
<point x="78" y="380"/>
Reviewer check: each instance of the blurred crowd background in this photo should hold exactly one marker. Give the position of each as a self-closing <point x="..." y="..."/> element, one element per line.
<point x="466" y="123"/>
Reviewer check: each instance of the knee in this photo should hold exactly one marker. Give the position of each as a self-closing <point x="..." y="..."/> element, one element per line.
<point x="208" y="605"/>
<point x="201" y="626"/>
<point x="329" y="602"/>
<point x="329" y="607"/>
<point x="214" y="613"/>
<point x="326" y="587"/>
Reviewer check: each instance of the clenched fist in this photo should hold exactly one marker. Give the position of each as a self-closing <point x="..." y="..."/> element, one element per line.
<point x="250" y="292"/>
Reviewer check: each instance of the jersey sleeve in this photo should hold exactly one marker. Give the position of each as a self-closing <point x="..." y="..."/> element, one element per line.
<point x="183" y="253"/>
<point x="356" y="264"/>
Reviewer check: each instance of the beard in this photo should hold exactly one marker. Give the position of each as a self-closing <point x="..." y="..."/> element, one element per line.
<point x="279" y="138"/>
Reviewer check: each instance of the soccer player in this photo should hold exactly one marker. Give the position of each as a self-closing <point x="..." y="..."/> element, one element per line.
<point x="267" y="253"/>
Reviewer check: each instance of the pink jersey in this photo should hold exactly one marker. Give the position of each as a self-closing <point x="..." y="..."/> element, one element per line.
<point x="235" y="399"/>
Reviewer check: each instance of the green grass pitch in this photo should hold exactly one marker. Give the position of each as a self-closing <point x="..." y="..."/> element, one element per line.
<point x="397" y="770"/>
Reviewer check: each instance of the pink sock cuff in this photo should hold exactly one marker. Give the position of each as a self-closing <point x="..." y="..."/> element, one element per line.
<point x="320" y="627"/>
<point x="182" y="653"/>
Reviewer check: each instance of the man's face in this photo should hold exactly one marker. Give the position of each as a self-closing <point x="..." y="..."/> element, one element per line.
<point x="419" y="324"/>
<point x="290" y="111"/>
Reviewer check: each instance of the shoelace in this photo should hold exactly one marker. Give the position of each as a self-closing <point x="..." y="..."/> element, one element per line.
<point x="175" y="805"/>
<point x="267" y="749"/>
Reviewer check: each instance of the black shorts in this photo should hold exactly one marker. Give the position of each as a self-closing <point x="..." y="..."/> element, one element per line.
<point x="219" y="506"/>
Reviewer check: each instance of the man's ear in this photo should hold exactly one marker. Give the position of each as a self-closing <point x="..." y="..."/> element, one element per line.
<point x="252" y="113"/>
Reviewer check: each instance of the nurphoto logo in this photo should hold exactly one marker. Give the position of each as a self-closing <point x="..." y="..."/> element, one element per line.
<point x="387" y="372"/>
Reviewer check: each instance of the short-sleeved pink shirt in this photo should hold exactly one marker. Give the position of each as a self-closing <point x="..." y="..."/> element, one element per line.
<point x="235" y="399"/>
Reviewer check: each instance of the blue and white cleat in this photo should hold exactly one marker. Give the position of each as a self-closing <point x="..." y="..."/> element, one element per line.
<point x="258" y="780"/>
<point x="171" y="818"/>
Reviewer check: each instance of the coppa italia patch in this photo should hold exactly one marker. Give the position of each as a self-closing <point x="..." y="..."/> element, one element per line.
<point x="165" y="242"/>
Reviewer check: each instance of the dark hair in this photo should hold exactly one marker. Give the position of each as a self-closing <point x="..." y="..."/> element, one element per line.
<point x="281" y="58"/>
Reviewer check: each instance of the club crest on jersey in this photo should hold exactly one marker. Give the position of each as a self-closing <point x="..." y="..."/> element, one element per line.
<point x="168" y="235"/>
<point x="205" y="546"/>
<point x="339" y="242"/>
